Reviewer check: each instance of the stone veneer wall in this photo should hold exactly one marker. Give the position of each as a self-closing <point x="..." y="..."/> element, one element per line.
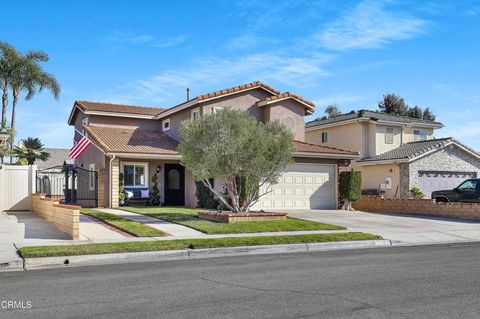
<point x="452" y="159"/>
<point x="427" y="207"/>
<point x="101" y="185"/>
<point x="404" y="180"/>
<point x="65" y="217"/>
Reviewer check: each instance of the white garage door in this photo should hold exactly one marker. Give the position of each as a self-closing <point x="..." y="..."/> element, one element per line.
<point x="302" y="186"/>
<point x="429" y="181"/>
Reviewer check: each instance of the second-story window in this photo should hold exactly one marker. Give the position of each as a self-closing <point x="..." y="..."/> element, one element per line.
<point x="166" y="125"/>
<point x="85" y="122"/>
<point x="324" y="137"/>
<point x="389" y="136"/>
<point x="419" y="135"/>
<point x="195" y="113"/>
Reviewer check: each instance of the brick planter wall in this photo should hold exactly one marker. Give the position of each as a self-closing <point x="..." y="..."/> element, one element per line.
<point x="65" y="217"/>
<point x="426" y="207"/>
<point x="233" y="218"/>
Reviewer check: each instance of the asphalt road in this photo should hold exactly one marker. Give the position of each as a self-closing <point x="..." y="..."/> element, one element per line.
<point x="402" y="282"/>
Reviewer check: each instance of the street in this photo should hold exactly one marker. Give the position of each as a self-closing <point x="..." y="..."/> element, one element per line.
<point x="440" y="281"/>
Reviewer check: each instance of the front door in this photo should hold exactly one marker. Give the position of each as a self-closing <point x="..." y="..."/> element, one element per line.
<point x="174" y="185"/>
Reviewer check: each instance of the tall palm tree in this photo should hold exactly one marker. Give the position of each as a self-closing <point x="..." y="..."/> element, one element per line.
<point x="30" y="149"/>
<point x="29" y="77"/>
<point x="8" y="61"/>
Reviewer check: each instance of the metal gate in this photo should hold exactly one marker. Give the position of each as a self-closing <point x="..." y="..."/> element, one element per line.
<point x="72" y="185"/>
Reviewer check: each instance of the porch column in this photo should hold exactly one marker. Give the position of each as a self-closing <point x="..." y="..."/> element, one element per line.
<point x="115" y="169"/>
<point x="101" y="185"/>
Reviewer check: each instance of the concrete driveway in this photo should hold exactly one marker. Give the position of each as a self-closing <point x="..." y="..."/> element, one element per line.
<point x="400" y="229"/>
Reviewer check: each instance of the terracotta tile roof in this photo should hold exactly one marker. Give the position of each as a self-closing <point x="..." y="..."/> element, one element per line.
<point x="116" y="139"/>
<point x="315" y="148"/>
<point x="118" y="108"/>
<point x="237" y="89"/>
<point x="287" y="95"/>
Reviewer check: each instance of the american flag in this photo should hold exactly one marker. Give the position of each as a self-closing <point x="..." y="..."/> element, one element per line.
<point x="79" y="147"/>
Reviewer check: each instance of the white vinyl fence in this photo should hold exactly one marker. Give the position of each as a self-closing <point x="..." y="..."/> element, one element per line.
<point x="17" y="183"/>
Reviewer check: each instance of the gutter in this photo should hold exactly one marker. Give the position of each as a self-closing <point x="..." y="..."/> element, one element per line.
<point x="325" y="155"/>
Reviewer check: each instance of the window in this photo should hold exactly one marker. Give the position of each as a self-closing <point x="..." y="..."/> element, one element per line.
<point x="195" y="113"/>
<point x="419" y="135"/>
<point x="468" y="186"/>
<point x="91" y="179"/>
<point x="135" y="174"/>
<point x="166" y="125"/>
<point x="85" y="122"/>
<point x="389" y="136"/>
<point x="216" y="109"/>
<point x="324" y="137"/>
<point x="173" y="179"/>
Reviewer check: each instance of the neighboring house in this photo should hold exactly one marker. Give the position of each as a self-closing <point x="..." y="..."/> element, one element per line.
<point x="397" y="152"/>
<point x="141" y="141"/>
<point x="58" y="156"/>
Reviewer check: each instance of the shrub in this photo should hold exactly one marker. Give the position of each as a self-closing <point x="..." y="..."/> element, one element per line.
<point x="350" y="185"/>
<point x="155" y="190"/>
<point x="416" y="193"/>
<point x="121" y="189"/>
<point x="205" y="197"/>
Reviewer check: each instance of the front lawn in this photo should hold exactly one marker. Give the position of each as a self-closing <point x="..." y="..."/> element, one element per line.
<point x="126" y="247"/>
<point x="126" y="225"/>
<point x="189" y="217"/>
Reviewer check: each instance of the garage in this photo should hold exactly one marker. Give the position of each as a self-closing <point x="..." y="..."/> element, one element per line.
<point x="429" y="181"/>
<point x="302" y="186"/>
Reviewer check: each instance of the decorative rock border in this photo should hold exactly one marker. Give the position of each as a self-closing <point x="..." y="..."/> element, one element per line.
<point x="233" y="218"/>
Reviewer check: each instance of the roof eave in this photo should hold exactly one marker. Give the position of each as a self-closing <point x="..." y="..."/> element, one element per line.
<point x="326" y="155"/>
<point x="145" y="155"/>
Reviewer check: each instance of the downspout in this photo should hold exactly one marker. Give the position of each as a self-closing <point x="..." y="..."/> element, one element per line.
<point x="112" y="158"/>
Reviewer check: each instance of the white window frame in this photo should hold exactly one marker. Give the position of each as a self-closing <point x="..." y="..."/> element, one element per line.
<point x="387" y="134"/>
<point x="216" y="109"/>
<point x="324" y="137"/>
<point x="195" y="113"/>
<point x="167" y="121"/>
<point x="145" y="165"/>
<point x="86" y="121"/>
<point x="91" y="180"/>
<point x="420" y="135"/>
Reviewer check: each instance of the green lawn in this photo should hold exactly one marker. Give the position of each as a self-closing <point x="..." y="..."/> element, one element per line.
<point x="128" y="226"/>
<point x="109" y="248"/>
<point x="189" y="217"/>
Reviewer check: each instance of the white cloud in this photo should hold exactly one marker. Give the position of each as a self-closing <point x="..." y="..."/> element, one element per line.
<point x="369" y="25"/>
<point x="208" y="73"/>
<point x="136" y="39"/>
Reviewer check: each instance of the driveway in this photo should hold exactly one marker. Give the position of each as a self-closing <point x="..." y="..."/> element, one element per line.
<point x="400" y="229"/>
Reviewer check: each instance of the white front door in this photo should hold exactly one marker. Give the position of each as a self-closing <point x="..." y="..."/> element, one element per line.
<point x="302" y="186"/>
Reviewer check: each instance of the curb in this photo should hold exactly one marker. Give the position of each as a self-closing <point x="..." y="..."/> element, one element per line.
<point x="150" y="256"/>
<point x="14" y="265"/>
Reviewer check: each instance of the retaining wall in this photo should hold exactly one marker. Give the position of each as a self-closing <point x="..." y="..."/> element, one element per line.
<point x="65" y="217"/>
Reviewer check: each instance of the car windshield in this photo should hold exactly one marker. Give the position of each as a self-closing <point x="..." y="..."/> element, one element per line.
<point x="468" y="186"/>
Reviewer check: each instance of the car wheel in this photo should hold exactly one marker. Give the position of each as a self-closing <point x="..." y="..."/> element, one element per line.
<point x="441" y="199"/>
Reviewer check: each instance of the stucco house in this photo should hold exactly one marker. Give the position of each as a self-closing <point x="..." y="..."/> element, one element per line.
<point x="397" y="152"/>
<point x="140" y="141"/>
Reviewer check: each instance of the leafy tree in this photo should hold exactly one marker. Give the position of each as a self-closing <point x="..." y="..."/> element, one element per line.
<point x="332" y="110"/>
<point x="30" y="149"/>
<point x="415" y="112"/>
<point x="155" y="190"/>
<point x="416" y="193"/>
<point x="350" y="188"/>
<point x="393" y="104"/>
<point x="233" y="147"/>
<point x="428" y="115"/>
<point x="206" y="199"/>
<point x="25" y="75"/>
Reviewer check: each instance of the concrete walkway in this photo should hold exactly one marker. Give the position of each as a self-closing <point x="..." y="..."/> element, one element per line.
<point x="164" y="226"/>
<point x="399" y="228"/>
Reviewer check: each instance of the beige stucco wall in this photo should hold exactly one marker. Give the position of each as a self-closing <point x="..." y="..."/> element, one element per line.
<point x="408" y="133"/>
<point x="288" y="112"/>
<point x="374" y="175"/>
<point x="348" y="136"/>
<point x="380" y="136"/>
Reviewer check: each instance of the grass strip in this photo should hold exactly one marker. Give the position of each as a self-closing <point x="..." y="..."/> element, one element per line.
<point x="134" y="228"/>
<point x="126" y="247"/>
<point x="189" y="217"/>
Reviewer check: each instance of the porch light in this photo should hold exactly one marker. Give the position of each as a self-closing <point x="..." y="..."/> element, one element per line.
<point x="159" y="168"/>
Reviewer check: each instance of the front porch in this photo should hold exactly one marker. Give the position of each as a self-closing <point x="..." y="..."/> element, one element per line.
<point x="176" y="184"/>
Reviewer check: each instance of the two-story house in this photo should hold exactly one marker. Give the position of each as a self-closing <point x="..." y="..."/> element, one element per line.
<point x="397" y="152"/>
<point x="136" y="142"/>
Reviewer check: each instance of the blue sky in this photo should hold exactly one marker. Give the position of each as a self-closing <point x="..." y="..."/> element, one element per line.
<point x="349" y="52"/>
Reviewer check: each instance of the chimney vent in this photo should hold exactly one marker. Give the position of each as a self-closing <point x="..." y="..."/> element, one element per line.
<point x="188" y="94"/>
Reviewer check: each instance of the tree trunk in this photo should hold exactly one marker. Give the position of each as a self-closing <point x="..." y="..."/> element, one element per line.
<point x="12" y="123"/>
<point x="4" y="105"/>
<point x="347" y="205"/>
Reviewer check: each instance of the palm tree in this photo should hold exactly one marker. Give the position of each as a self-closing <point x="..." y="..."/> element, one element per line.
<point x="332" y="110"/>
<point x="29" y="77"/>
<point x="30" y="149"/>
<point x="8" y="60"/>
